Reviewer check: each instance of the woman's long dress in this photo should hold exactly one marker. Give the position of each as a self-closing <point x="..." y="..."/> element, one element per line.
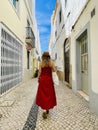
<point x="46" y="97"/>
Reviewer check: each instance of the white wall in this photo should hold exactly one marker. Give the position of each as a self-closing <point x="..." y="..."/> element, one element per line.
<point x="94" y="47"/>
<point x="59" y="39"/>
<point x="71" y="12"/>
<point x="73" y="8"/>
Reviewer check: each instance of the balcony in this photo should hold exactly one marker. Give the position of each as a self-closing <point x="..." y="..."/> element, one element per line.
<point x="30" y="38"/>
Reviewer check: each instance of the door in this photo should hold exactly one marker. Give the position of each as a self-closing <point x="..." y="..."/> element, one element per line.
<point x="28" y="59"/>
<point x="66" y="55"/>
<point x="84" y="63"/>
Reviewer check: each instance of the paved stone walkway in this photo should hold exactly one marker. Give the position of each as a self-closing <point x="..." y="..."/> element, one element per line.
<point x="15" y="106"/>
<point x="71" y="113"/>
<point x="19" y="112"/>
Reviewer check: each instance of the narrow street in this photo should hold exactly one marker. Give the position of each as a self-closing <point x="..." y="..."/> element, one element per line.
<point x="18" y="110"/>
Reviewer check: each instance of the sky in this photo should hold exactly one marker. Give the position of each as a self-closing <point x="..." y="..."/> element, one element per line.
<point x="44" y="10"/>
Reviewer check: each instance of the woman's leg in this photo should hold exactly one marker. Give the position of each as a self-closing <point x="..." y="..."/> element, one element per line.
<point x="47" y="111"/>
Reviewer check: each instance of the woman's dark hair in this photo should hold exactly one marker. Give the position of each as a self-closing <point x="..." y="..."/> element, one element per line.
<point x="45" y="58"/>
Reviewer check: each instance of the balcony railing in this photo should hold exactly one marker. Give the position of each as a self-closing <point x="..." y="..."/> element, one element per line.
<point x="30" y="38"/>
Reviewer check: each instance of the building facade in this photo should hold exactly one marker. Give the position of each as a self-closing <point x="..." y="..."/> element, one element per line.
<point x="84" y="51"/>
<point x="57" y="39"/>
<point x="63" y="19"/>
<point x="75" y="46"/>
<point x="17" y="42"/>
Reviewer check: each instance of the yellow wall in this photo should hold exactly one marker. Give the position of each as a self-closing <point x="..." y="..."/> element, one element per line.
<point x="17" y="23"/>
<point x="35" y="66"/>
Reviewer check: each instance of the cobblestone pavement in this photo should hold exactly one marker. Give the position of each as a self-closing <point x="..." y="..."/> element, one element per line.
<point x="19" y="112"/>
<point x="16" y="106"/>
<point x="71" y="113"/>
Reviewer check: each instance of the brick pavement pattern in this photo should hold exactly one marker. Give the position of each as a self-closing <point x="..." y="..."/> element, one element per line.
<point x="15" y="106"/>
<point x="19" y="112"/>
<point x="71" y="113"/>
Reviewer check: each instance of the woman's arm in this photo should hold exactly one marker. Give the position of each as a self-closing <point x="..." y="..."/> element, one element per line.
<point x="53" y="66"/>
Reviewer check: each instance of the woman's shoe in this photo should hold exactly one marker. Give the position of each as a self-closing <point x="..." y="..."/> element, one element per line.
<point x="44" y="115"/>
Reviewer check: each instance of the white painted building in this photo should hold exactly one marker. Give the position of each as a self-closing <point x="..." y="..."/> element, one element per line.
<point x="52" y="37"/>
<point x="57" y="39"/>
<point x="75" y="46"/>
<point x="36" y="50"/>
<point x="84" y="51"/>
<point x="63" y="18"/>
<point x="70" y="12"/>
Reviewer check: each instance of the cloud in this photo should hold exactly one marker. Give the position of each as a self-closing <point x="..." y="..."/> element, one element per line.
<point x="44" y="40"/>
<point x="43" y="18"/>
<point x="43" y="29"/>
<point x="49" y="6"/>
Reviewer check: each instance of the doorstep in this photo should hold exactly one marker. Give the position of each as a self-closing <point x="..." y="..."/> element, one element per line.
<point x="84" y="95"/>
<point x="67" y="84"/>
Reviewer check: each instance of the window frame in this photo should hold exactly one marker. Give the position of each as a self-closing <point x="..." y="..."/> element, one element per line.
<point x="60" y="16"/>
<point x="15" y="4"/>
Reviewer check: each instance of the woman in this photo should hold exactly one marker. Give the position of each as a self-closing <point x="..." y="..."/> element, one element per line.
<point x="46" y="97"/>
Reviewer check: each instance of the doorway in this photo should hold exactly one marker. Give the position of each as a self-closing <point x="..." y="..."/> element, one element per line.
<point x="66" y="60"/>
<point x="82" y="61"/>
<point x="84" y="64"/>
<point x="28" y="59"/>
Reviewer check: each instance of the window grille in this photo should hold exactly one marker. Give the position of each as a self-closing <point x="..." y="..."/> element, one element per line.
<point x="11" y="61"/>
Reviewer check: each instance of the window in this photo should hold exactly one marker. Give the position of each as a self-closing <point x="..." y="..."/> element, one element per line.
<point x="65" y="3"/>
<point x="55" y="33"/>
<point x="28" y="29"/>
<point x="55" y="56"/>
<point x="11" y="60"/>
<point x="60" y="16"/>
<point x="15" y="4"/>
<point x="28" y="23"/>
<point x="92" y="12"/>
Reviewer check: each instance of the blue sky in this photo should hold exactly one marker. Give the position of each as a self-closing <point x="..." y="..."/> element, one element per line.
<point x="44" y="10"/>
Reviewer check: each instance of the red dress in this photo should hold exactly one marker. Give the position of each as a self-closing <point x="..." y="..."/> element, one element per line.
<point x="46" y="97"/>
